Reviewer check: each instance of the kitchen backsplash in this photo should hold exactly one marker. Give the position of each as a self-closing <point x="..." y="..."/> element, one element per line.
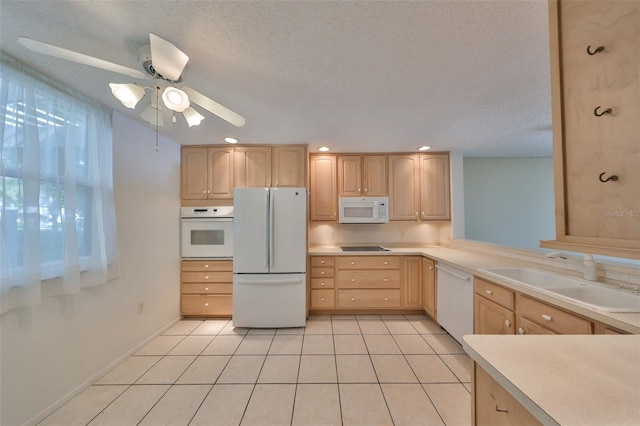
<point x="393" y="233"/>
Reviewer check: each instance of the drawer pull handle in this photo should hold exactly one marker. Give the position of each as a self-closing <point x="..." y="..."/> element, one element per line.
<point x="353" y="263"/>
<point x="386" y="263"/>
<point x="206" y="266"/>
<point x="488" y="291"/>
<point x="322" y="262"/>
<point x="546" y="317"/>
<point x="386" y="299"/>
<point x="386" y="280"/>
<point x="322" y="273"/>
<point x="206" y="277"/>
<point x="501" y="411"/>
<point x="322" y="299"/>
<point x="353" y="280"/>
<point x="206" y="288"/>
<point x="598" y="50"/>
<point x="322" y="284"/>
<point x="520" y="330"/>
<point x="206" y="303"/>
<point x="353" y="299"/>
<point x="507" y="323"/>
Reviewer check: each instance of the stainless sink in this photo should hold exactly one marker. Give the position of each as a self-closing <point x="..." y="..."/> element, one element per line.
<point x="596" y="296"/>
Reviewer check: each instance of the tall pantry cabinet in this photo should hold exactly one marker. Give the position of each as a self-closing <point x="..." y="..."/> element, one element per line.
<point x="595" y="70"/>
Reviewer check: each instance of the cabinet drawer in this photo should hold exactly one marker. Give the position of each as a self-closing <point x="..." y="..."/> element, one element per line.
<point x="369" y="279"/>
<point x="204" y="277"/>
<point x="320" y="283"/>
<point x="207" y="265"/>
<point x="490" y="397"/>
<point x="494" y="292"/>
<point x="529" y="328"/>
<point x="202" y="288"/>
<point x="322" y="299"/>
<point x="368" y="262"/>
<point x="206" y="305"/>
<point x="368" y="298"/>
<point x="322" y="261"/>
<point x="322" y="272"/>
<point x="553" y="318"/>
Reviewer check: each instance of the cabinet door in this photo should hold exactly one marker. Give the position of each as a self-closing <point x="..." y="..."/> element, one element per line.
<point x="220" y="181"/>
<point x="289" y="166"/>
<point x="252" y="167"/>
<point x="491" y="318"/>
<point x="193" y="163"/>
<point x="598" y="217"/>
<point x="429" y="286"/>
<point x="412" y="282"/>
<point x="323" y="202"/>
<point x="374" y="175"/>
<point x="349" y="176"/>
<point x="434" y="187"/>
<point x="404" y="175"/>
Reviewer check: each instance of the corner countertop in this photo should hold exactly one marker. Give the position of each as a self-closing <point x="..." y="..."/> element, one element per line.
<point x="566" y="380"/>
<point x="473" y="263"/>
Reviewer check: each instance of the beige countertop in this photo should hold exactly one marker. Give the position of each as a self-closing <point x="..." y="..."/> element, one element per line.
<point x="566" y="380"/>
<point x="473" y="262"/>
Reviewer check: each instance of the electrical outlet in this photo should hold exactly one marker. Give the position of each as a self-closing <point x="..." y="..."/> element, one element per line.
<point x="332" y="235"/>
<point x="140" y="307"/>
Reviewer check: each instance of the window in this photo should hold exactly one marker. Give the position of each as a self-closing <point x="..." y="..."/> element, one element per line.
<point x="56" y="195"/>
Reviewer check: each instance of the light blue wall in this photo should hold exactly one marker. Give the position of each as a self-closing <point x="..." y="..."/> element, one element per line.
<point x="509" y="201"/>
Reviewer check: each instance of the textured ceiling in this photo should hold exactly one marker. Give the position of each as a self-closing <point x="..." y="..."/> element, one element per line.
<point x="470" y="76"/>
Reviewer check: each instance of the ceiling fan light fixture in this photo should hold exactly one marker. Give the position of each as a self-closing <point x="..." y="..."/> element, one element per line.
<point x="128" y="94"/>
<point x="151" y="115"/>
<point x="192" y="116"/>
<point x="175" y="99"/>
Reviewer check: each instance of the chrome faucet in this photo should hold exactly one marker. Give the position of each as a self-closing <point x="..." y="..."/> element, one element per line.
<point x="588" y="261"/>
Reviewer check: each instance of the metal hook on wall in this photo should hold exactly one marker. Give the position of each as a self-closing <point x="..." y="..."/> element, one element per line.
<point x="598" y="50"/>
<point x="605" y="112"/>
<point x="612" y="177"/>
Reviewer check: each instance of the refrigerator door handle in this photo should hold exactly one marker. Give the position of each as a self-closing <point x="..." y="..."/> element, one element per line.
<point x="271" y="248"/>
<point x="267" y="230"/>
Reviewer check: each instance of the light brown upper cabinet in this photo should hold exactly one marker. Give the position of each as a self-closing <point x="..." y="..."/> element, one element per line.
<point x="404" y="186"/>
<point x="435" y="192"/>
<point x="323" y="200"/>
<point x="206" y="173"/>
<point x="595" y="83"/>
<point x="289" y="166"/>
<point x="362" y="175"/>
<point x="252" y="166"/>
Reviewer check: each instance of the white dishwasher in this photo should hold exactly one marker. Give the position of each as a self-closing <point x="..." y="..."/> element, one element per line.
<point x="455" y="301"/>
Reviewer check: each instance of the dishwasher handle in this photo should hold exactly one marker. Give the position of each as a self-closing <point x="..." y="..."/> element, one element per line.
<point x="454" y="273"/>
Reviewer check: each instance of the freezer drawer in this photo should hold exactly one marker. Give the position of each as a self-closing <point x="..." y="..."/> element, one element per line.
<point x="269" y="300"/>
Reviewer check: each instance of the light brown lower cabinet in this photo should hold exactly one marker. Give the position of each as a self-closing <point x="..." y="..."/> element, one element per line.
<point x="412" y="282"/>
<point x="493" y="308"/>
<point x="206" y="288"/>
<point x="494" y="406"/>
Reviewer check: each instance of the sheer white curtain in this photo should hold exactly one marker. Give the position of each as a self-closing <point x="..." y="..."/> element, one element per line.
<point x="56" y="203"/>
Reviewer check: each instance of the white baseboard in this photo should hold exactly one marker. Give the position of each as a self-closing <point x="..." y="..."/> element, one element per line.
<point x="91" y="380"/>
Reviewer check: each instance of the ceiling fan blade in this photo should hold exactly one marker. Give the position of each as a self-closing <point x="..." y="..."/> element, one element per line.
<point x="214" y="108"/>
<point x="59" y="52"/>
<point x="167" y="59"/>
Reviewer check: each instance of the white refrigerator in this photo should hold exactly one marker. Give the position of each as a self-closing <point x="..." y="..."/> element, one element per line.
<point x="269" y="257"/>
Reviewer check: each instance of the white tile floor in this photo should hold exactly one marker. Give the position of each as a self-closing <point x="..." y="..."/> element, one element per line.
<point x="338" y="370"/>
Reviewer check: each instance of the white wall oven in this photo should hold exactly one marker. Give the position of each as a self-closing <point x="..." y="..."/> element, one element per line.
<point x="206" y="232"/>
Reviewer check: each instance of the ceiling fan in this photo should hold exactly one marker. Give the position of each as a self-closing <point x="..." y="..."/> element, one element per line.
<point x="162" y="61"/>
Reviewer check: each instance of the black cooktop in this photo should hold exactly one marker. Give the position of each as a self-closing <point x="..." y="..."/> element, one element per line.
<point x="364" y="248"/>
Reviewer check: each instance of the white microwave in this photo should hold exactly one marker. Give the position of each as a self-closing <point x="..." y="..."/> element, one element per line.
<point x="364" y="209"/>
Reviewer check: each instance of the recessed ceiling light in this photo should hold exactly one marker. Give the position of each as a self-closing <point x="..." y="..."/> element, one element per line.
<point x="323" y="149"/>
<point x="231" y="140"/>
<point x="424" y="148"/>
